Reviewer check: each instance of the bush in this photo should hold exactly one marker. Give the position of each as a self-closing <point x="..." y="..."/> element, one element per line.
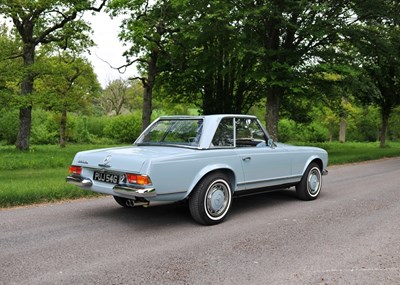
<point x="45" y="130"/>
<point x="366" y="126"/>
<point x="83" y="133"/>
<point x="394" y="123"/>
<point x="72" y="123"/>
<point x="124" y="128"/>
<point x="84" y="129"/>
<point x="315" y="132"/>
<point x="9" y="126"/>
<point x="287" y="130"/>
<point x="96" y="125"/>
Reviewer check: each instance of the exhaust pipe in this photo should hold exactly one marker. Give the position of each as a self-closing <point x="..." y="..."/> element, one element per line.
<point x="133" y="203"/>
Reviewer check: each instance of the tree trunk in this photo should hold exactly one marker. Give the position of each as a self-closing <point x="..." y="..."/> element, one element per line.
<point x="147" y="106"/>
<point x="25" y="112"/>
<point x="208" y="105"/>
<point x="272" y="111"/>
<point x="342" y="129"/>
<point x="148" y="90"/>
<point x="385" y="122"/>
<point x="24" y="131"/>
<point x="331" y="130"/>
<point x="343" y="122"/>
<point x="63" y="128"/>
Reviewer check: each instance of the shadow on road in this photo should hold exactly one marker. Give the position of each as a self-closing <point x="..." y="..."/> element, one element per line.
<point x="178" y="214"/>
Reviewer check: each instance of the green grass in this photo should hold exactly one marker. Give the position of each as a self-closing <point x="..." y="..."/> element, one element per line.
<point x="21" y="187"/>
<point x="38" y="175"/>
<point x="341" y="153"/>
<point x="39" y="157"/>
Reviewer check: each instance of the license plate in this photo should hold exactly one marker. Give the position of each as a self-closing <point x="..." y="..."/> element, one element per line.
<point x="106" y="177"/>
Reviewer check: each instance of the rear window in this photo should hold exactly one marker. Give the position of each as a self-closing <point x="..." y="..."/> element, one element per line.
<point x="185" y="132"/>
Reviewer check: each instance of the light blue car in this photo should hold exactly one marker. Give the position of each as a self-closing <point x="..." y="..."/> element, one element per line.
<point x="202" y="159"/>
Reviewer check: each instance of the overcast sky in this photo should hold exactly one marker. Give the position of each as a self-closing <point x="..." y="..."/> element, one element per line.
<point x="108" y="48"/>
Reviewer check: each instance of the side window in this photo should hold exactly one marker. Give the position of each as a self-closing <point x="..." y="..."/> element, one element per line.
<point x="249" y="133"/>
<point x="223" y="136"/>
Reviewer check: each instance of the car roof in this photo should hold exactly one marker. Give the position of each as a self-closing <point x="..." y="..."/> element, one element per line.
<point x="214" y="116"/>
<point x="211" y="123"/>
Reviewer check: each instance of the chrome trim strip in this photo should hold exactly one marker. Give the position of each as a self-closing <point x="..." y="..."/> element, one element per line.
<point x="132" y="191"/>
<point x="104" y="165"/>
<point x="79" y="180"/>
<point x="284" y="179"/>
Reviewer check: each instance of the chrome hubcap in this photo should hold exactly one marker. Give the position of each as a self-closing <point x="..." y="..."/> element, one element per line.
<point x="314" y="181"/>
<point x="217" y="199"/>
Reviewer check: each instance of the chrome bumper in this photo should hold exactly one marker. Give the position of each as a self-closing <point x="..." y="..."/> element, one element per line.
<point x="122" y="189"/>
<point x="132" y="191"/>
<point x="79" y="180"/>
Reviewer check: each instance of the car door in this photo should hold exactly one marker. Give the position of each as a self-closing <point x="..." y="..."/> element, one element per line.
<point x="263" y="165"/>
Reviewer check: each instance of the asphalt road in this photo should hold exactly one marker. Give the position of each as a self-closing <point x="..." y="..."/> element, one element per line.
<point x="349" y="235"/>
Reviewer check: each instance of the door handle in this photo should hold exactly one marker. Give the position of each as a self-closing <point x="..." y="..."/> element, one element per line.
<point x="247" y="158"/>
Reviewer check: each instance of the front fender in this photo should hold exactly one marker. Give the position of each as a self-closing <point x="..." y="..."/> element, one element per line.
<point x="311" y="159"/>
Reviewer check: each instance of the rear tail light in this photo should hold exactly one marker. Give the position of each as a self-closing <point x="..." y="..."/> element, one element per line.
<point x="75" y="170"/>
<point x="138" y="179"/>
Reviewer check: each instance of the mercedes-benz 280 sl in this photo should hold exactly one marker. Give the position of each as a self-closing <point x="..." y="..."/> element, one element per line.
<point x="204" y="160"/>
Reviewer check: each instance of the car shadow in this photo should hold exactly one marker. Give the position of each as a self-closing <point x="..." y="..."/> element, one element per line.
<point x="265" y="199"/>
<point x="177" y="214"/>
<point x="157" y="215"/>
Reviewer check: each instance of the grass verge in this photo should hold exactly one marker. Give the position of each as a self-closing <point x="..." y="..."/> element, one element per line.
<point x="38" y="175"/>
<point x="341" y="153"/>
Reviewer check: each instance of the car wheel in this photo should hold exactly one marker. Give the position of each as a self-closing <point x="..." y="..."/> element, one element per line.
<point x="310" y="184"/>
<point x="124" y="202"/>
<point x="211" y="199"/>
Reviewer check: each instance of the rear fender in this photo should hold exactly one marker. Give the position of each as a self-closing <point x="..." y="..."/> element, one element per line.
<point x="211" y="168"/>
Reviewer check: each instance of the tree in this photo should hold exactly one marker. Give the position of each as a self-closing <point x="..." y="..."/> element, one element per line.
<point x="70" y="85"/>
<point x="8" y="67"/>
<point x="146" y="29"/>
<point x="39" y="23"/>
<point x="377" y="39"/>
<point x="211" y="59"/>
<point x="291" y="35"/>
<point x="334" y="84"/>
<point x="231" y="52"/>
<point x="116" y="95"/>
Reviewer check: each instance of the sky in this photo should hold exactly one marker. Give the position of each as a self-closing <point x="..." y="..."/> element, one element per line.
<point x="109" y="49"/>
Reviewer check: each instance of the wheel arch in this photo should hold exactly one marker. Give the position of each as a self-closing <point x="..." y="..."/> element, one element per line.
<point x="315" y="159"/>
<point x="319" y="162"/>
<point x="210" y="170"/>
<point x="310" y="184"/>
